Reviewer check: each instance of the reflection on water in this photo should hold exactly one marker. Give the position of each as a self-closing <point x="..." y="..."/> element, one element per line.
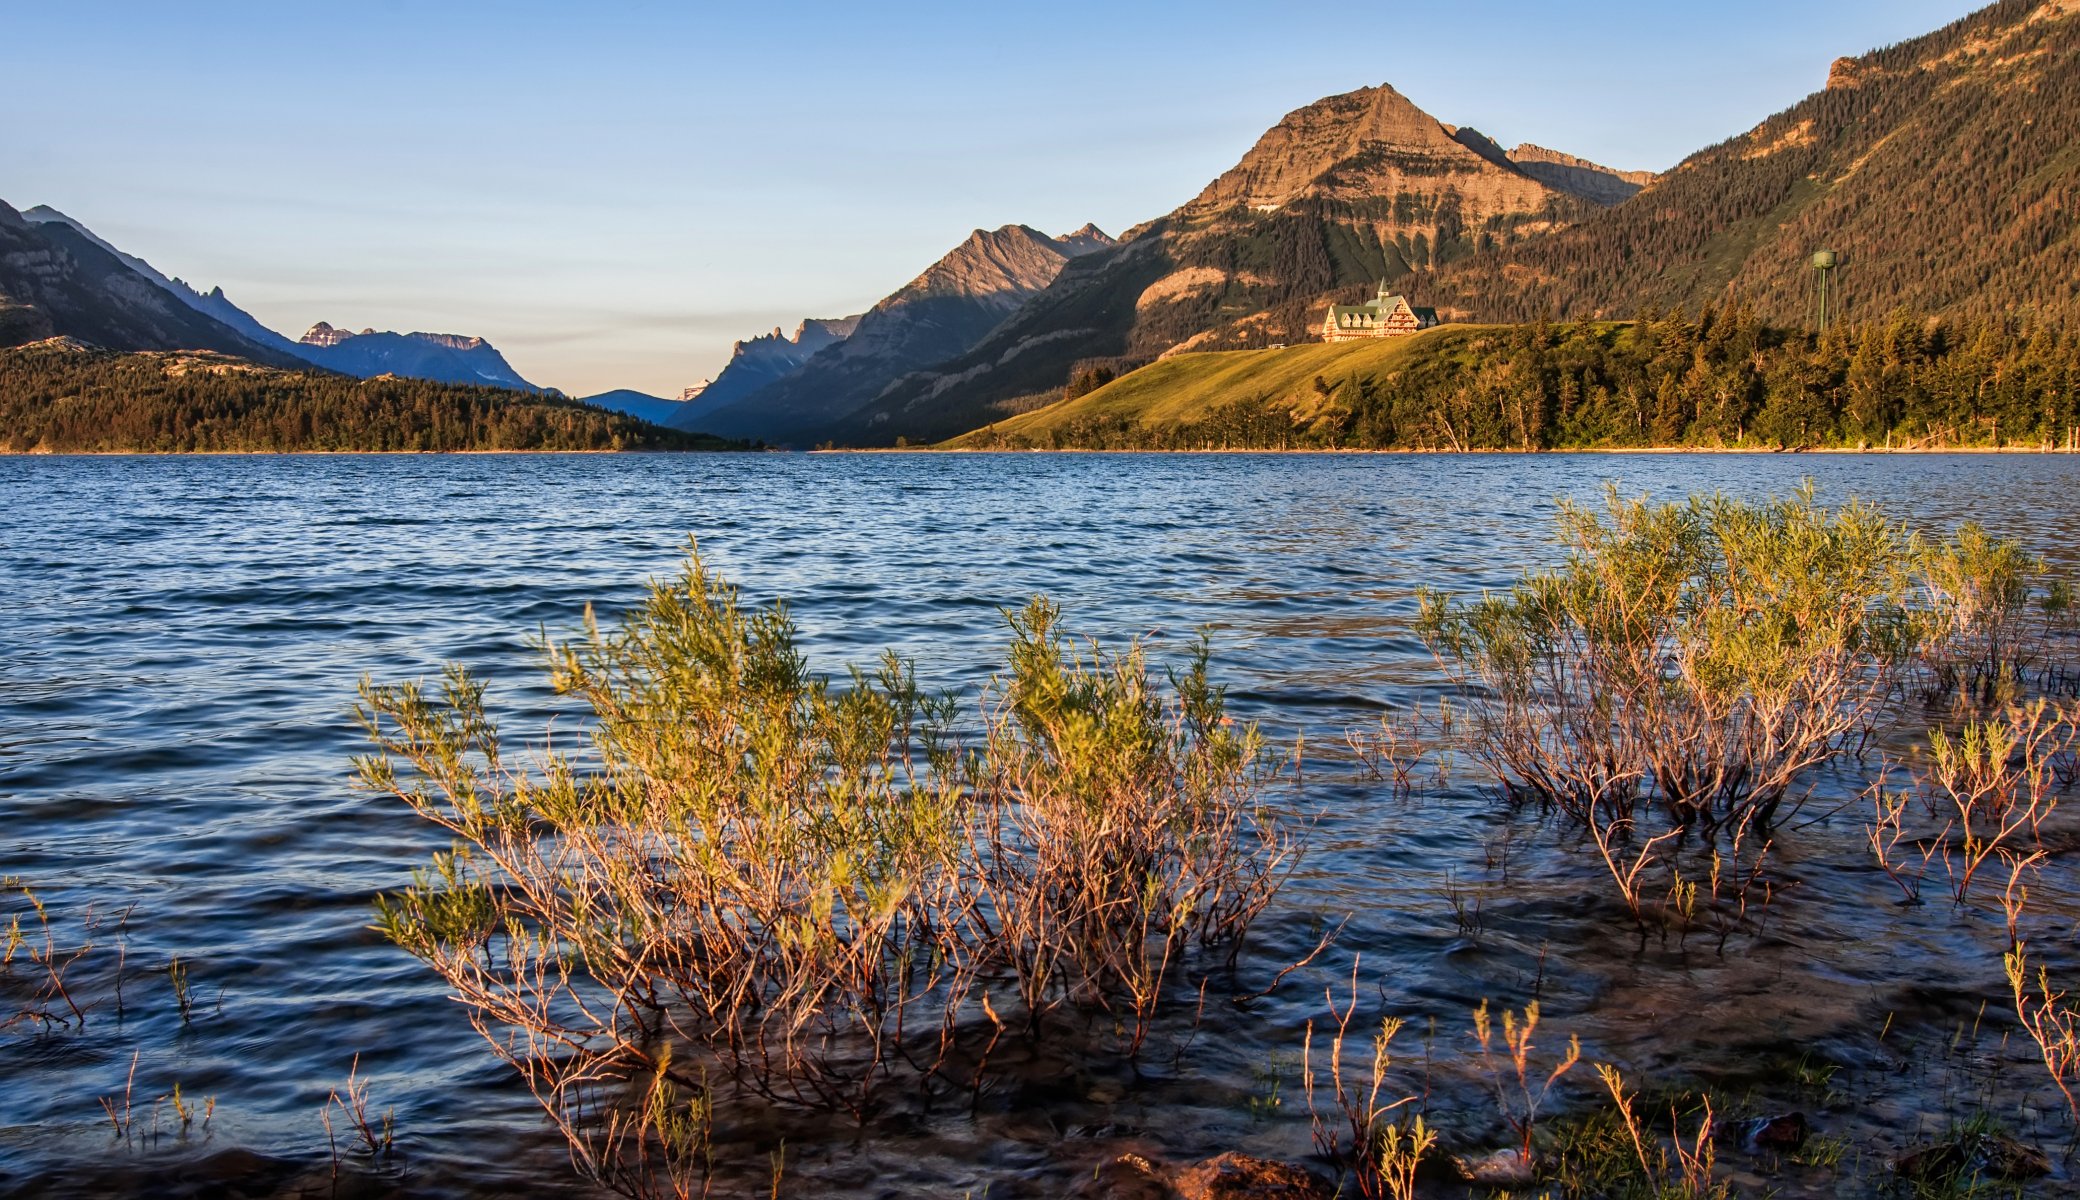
<point x="174" y="732"/>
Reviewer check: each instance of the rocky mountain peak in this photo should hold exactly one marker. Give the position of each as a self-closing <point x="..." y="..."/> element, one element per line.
<point x="1365" y="145"/>
<point x="1087" y="240"/>
<point x="323" y="334"/>
<point x="1000" y="266"/>
<point x="1481" y="144"/>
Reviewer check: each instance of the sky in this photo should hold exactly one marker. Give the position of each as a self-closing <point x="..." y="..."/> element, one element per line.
<point x="614" y="192"/>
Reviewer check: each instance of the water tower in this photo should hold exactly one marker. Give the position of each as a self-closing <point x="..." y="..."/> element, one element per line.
<point x="1824" y="263"/>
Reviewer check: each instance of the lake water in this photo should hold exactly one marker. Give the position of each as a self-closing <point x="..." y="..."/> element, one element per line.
<point x="185" y="635"/>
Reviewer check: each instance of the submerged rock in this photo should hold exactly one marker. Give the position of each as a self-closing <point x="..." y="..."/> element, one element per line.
<point x="1240" y="1177"/>
<point x="1128" y="1177"/>
<point x="1986" y="1155"/>
<point x="1228" y="1177"/>
<point x="1775" y="1135"/>
<point x="1504" y="1168"/>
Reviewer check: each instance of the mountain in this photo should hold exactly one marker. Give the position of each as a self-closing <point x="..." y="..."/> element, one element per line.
<point x="439" y="357"/>
<point x="655" y="409"/>
<point x="1339" y="195"/>
<point x="1943" y="171"/>
<point x="213" y="303"/>
<point x="57" y="280"/>
<point x="764" y="360"/>
<point x="953" y="305"/>
<point x="223" y="326"/>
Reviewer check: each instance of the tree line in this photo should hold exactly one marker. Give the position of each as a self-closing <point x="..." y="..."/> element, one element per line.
<point x="1719" y="378"/>
<point x="57" y="398"/>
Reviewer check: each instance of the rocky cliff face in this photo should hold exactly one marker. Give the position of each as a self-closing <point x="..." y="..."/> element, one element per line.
<point x="759" y="362"/>
<point x="440" y="357"/>
<point x="941" y="313"/>
<point x="1578" y="176"/>
<point x="1334" y="198"/>
<point x="213" y="303"/>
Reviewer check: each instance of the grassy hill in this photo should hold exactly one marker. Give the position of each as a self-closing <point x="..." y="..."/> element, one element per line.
<point x="1186" y="390"/>
<point x="61" y="396"/>
<point x="1721" y="379"/>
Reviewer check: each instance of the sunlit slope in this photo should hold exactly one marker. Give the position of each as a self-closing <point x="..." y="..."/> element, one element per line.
<point x="1189" y="388"/>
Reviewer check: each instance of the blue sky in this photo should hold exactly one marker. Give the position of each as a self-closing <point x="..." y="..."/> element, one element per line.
<point x="614" y="192"/>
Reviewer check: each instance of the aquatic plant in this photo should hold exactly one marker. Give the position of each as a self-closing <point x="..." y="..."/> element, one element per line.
<point x="1981" y="795"/>
<point x="2052" y="1021"/>
<point x="1684" y="666"/>
<point x="1361" y="1131"/>
<point x="1995" y="607"/>
<point x="51" y="976"/>
<point x="1691" y="1175"/>
<point x="1521" y="1089"/>
<point x="803" y="888"/>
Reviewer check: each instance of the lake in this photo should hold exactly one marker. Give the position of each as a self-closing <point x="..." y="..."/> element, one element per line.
<point x="175" y="735"/>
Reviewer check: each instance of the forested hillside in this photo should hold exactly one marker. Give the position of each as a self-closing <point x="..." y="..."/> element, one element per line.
<point x="1719" y="379"/>
<point x="61" y="397"/>
<point x="1945" y="170"/>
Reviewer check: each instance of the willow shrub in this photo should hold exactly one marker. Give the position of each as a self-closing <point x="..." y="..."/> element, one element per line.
<point x="749" y="873"/>
<point x="1685" y="664"/>
<point x="1996" y="611"/>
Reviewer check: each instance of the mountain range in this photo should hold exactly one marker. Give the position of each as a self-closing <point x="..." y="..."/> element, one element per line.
<point x="763" y="360"/>
<point x="1338" y="196"/>
<point x="1943" y="171"/>
<point x="59" y="278"/>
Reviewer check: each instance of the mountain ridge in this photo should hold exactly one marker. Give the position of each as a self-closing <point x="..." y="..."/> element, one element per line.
<point x="941" y="312"/>
<point x="1338" y="195"/>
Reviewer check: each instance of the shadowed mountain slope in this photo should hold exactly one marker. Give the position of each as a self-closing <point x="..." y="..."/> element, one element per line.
<point x="763" y="361"/>
<point x="56" y="280"/>
<point x="940" y="314"/>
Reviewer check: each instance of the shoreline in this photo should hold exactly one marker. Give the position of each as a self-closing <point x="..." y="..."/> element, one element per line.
<point x="330" y="453"/>
<point x="924" y="451"/>
<point x="1875" y="451"/>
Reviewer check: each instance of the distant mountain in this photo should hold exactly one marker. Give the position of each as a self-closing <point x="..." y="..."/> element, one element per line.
<point x="762" y="361"/>
<point x="439" y="357"/>
<point x="944" y="311"/>
<point x="56" y="279"/>
<point x="213" y="303"/>
<point x="1942" y="170"/>
<point x="655" y="409"/>
<point x="1339" y="195"/>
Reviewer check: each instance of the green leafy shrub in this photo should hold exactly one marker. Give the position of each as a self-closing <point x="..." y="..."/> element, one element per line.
<point x="1684" y="666"/>
<point x="806" y="888"/>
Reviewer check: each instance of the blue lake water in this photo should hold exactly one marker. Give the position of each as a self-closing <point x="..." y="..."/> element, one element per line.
<point x="185" y="635"/>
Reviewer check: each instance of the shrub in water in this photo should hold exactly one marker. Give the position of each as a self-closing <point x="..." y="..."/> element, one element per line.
<point x="808" y="888"/>
<point x="1687" y="659"/>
